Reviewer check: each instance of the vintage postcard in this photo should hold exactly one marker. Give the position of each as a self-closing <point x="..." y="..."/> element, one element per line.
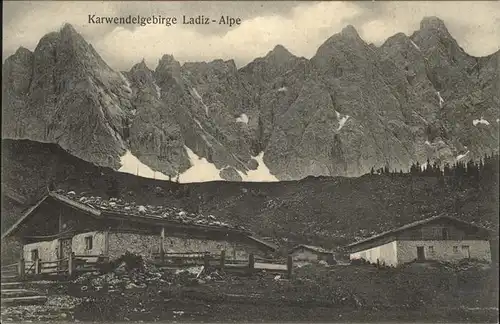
<point x="250" y="161"/>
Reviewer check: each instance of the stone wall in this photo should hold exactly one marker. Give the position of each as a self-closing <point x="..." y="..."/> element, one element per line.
<point x="233" y="250"/>
<point x="47" y="250"/>
<point x="444" y="250"/>
<point x="98" y="243"/>
<point x="146" y="245"/>
<point x="141" y="244"/>
<point x="386" y="254"/>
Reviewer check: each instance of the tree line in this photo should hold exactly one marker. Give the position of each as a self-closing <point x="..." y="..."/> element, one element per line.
<point x="484" y="167"/>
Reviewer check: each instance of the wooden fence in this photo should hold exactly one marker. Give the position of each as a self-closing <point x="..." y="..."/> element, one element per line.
<point x="9" y="270"/>
<point x="220" y="261"/>
<point x="67" y="266"/>
<point x="75" y="264"/>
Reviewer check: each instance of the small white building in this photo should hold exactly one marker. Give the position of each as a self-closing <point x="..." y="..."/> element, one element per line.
<point x="442" y="238"/>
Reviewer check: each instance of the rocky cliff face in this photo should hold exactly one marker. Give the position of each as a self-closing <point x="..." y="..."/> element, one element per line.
<point x="65" y="93"/>
<point x="351" y="107"/>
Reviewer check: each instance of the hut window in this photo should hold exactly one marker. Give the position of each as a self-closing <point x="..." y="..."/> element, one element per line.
<point x="34" y="255"/>
<point x="88" y="243"/>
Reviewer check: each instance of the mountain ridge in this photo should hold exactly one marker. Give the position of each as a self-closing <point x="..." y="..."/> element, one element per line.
<point x="349" y="108"/>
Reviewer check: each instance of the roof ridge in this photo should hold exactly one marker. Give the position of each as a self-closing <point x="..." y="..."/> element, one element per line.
<point x="413" y="224"/>
<point x="181" y="215"/>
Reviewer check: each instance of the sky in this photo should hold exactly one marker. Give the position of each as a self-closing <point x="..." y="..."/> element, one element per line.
<point x="299" y="26"/>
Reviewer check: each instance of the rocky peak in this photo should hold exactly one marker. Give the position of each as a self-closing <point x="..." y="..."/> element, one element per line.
<point x="69" y="36"/>
<point x="47" y="41"/>
<point x="142" y="66"/>
<point x="399" y="43"/>
<point x="168" y="60"/>
<point x="279" y="57"/>
<point x="70" y="50"/>
<point x="23" y="52"/>
<point x="279" y="52"/>
<point x="432" y="23"/>
<point x="21" y="56"/>
<point x="17" y="71"/>
<point x="68" y="29"/>
<point x="350" y="32"/>
<point x="339" y="48"/>
<point x="348" y="37"/>
<point x="141" y="74"/>
<point x="231" y="64"/>
<point x="434" y="39"/>
<point x="397" y="38"/>
<point x="432" y="32"/>
<point x="168" y="64"/>
<point x="168" y="71"/>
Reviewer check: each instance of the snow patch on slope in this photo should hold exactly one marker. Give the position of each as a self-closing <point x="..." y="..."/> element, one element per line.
<point x="282" y="89"/>
<point x="342" y="120"/>
<point x="461" y="156"/>
<point x="131" y="164"/>
<point x="441" y="100"/>
<point x="127" y="83"/>
<point x="414" y="45"/>
<point x="201" y="170"/>
<point x="204" y="131"/>
<point x="158" y="90"/>
<point x="261" y="174"/>
<point x="197" y="95"/>
<point x="480" y="121"/>
<point x="242" y="119"/>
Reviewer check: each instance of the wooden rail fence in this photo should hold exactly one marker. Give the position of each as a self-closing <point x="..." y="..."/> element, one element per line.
<point x="66" y="266"/>
<point x="220" y="261"/>
<point x="74" y="264"/>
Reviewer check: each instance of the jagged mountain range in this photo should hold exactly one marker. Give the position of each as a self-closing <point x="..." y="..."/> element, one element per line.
<point x="351" y="107"/>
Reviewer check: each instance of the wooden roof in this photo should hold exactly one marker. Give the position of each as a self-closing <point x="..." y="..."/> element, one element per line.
<point x="413" y="225"/>
<point x="101" y="211"/>
<point x="313" y="248"/>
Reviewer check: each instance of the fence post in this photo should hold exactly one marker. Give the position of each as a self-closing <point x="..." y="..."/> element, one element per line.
<point x="222" y="259"/>
<point x="289" y="266"/>
<point x="251" y="261"/>
<point x="38" y="266"/>
<point x="206" y="260"/>
<point x="162" y="248"/>
<point x="21" y="268"/>
<point x="71" y="263"/>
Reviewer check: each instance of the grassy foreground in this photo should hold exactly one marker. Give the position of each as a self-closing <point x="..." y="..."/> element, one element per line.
<point x="354" y="293"/>
<point x="417" y="293"/>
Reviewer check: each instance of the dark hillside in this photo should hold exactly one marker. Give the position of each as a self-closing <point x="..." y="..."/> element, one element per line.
<point x="322" y="210"/>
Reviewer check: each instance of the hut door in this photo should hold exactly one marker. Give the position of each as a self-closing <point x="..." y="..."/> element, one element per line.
<point x="420" y="253"/>
<point x="64" y="251"/>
